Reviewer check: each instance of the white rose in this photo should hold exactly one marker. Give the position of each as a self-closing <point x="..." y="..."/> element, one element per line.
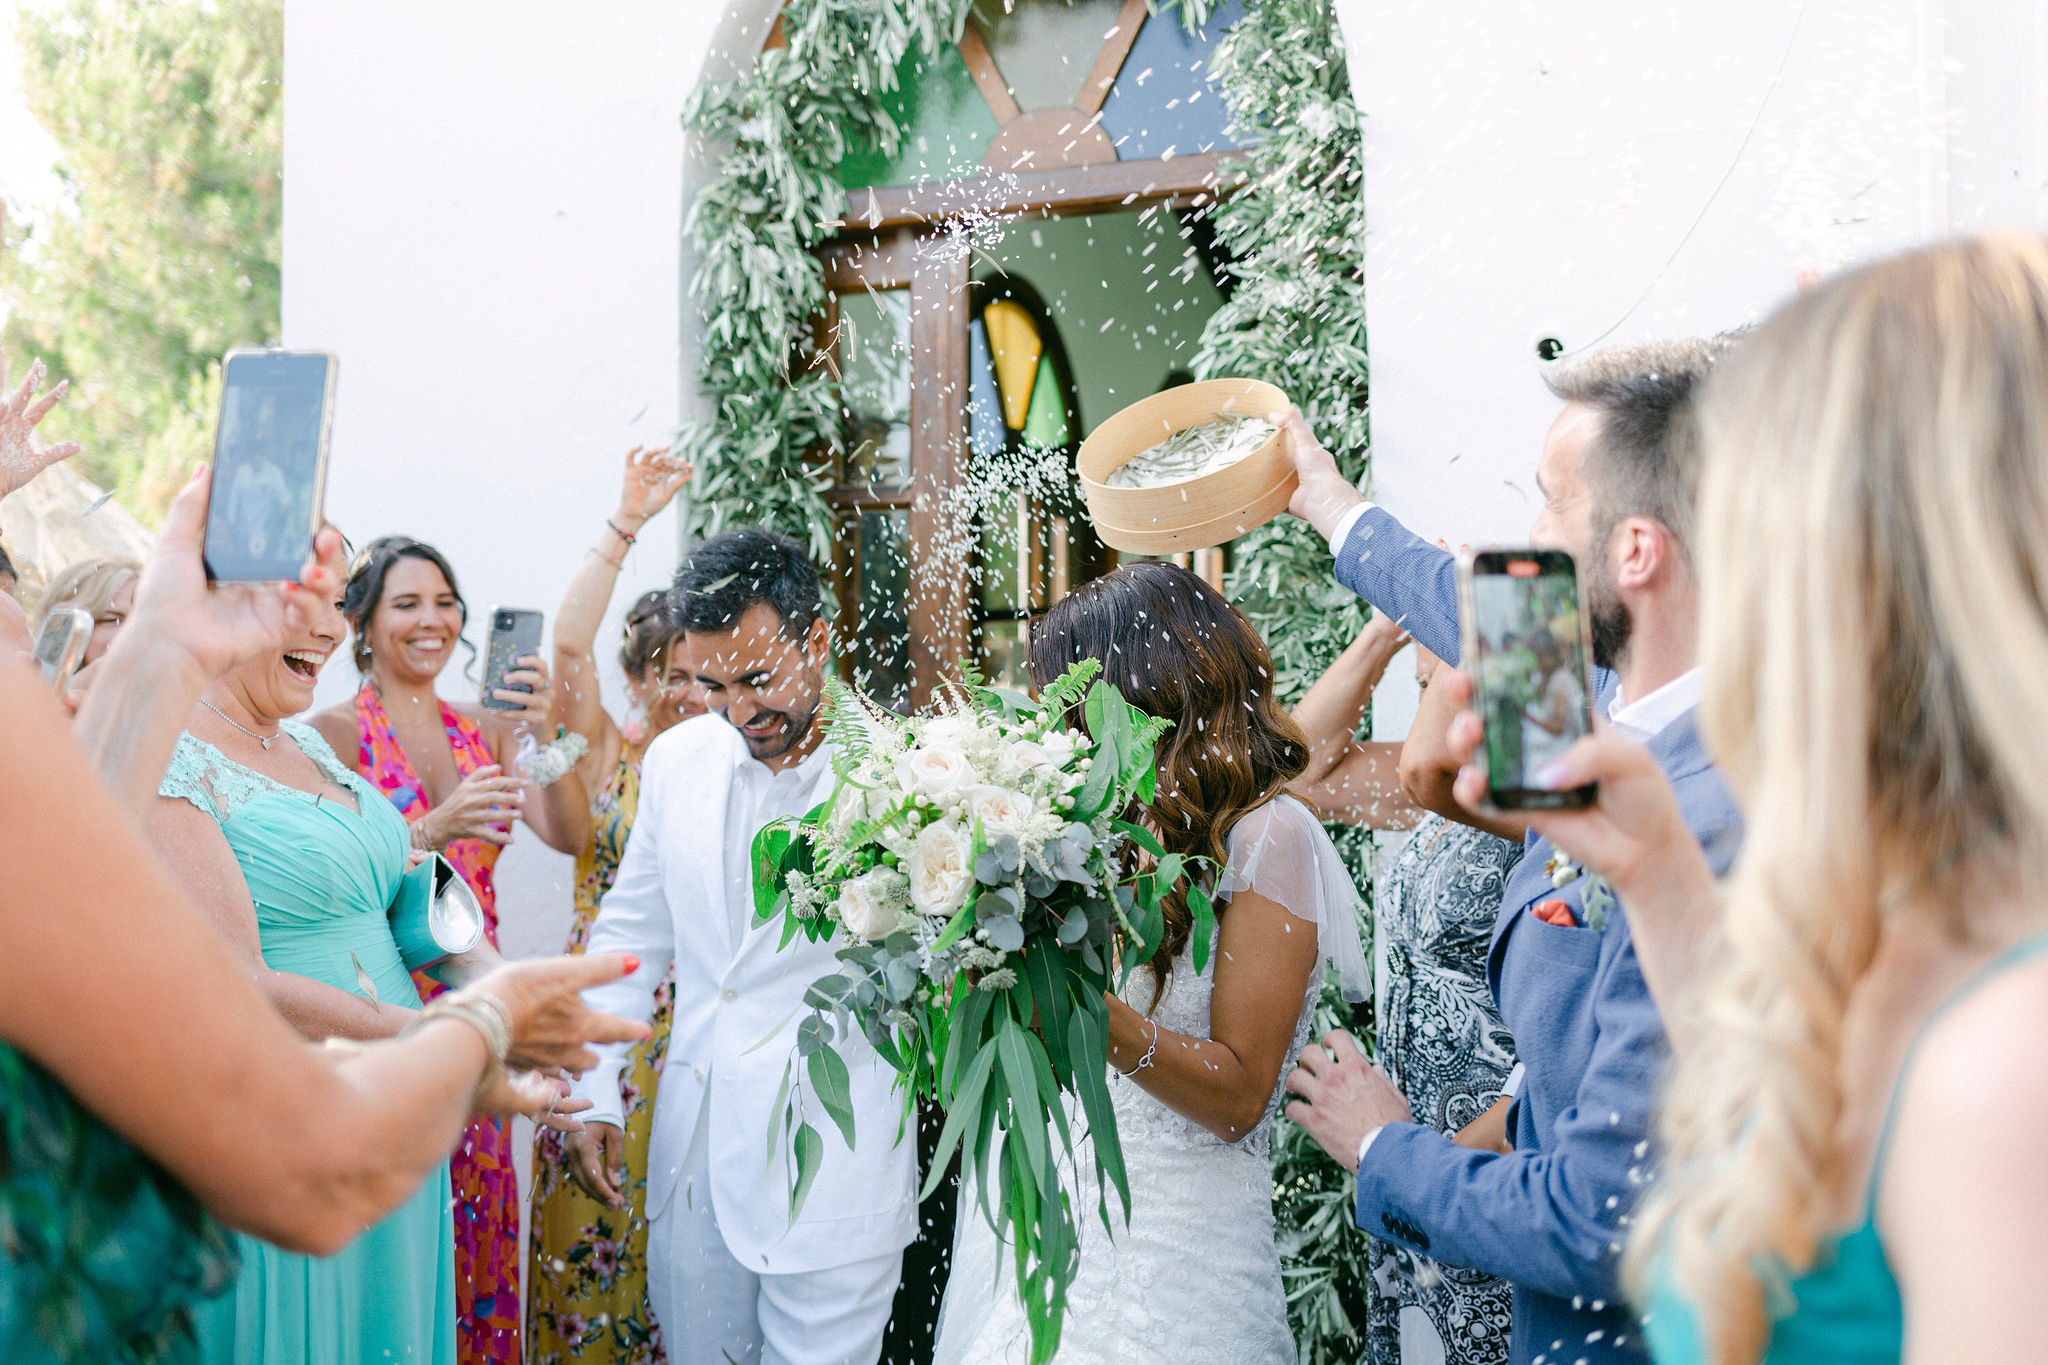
<point x="871" y="905"/>
<point x="1029" y="755"/>
<point x="955" y="732"/>
<point x="940" y="876"/>
<point x="935" y="770"/>
<point x="1001" y="811"/>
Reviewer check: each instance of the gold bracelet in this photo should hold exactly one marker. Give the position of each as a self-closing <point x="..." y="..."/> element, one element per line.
<point x="482" y="1011"/>
<point x="420" y="842"/>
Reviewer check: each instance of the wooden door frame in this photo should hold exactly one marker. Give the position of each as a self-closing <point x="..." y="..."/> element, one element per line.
<point x="878" y="246"/>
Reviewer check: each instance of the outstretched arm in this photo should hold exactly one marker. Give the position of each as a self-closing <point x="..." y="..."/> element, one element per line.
<point x="1381" y="560"/>
<point x="652" y="479"/>
<point x="1347" y="779"/>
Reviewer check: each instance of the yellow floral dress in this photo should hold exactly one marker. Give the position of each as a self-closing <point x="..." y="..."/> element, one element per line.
<point x="586" y="1268"/>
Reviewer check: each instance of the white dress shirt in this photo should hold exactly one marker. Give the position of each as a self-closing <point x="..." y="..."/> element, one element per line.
<point x="1643" y="719"/>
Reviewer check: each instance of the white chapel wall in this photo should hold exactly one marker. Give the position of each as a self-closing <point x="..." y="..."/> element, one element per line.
<point x="483" y="209"/>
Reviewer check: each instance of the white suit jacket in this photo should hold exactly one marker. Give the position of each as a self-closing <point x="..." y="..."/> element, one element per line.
<point x="737" y="1007"/>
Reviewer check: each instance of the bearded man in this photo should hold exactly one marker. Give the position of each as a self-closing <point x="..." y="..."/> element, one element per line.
<point x="1540" y="1196"/>
<point x="731" y="1276"/>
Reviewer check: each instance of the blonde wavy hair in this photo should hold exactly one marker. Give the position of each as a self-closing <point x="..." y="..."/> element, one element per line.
<point x="90" y="586"/>
<point x="1874" y="542"/>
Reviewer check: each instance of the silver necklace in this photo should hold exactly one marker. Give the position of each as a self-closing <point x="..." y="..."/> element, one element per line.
<point x="265" y="740"/>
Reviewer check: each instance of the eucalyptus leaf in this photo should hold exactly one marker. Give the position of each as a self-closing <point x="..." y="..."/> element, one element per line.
<point x="832" y="1086"/>
<point x="810" y="1155"/>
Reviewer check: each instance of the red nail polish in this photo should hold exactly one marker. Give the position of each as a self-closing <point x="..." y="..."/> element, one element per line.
<point x="632" y="964"/>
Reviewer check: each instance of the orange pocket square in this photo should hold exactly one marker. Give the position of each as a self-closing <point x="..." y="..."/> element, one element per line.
<point x="1555" y="912"/>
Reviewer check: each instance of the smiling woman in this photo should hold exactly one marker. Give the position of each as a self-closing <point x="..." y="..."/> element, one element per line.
<point x="449" y="769"/>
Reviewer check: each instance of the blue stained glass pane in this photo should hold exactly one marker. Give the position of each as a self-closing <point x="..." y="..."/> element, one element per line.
<point x="984" y="404"/>
<point x="1163" y="102"/>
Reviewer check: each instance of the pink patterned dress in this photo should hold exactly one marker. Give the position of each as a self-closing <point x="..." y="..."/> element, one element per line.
<point x="486" y="1203"/>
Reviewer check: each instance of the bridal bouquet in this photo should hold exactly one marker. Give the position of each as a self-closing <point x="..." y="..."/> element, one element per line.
<point x="975" y="868"/>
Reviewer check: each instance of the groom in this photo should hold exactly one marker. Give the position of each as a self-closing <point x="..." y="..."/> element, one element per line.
<point x="731" y="1277"/>
<point x="1550" y="1214"/>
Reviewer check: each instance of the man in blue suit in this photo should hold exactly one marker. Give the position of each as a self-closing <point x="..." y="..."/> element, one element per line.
<point x="1549" y="1214"/>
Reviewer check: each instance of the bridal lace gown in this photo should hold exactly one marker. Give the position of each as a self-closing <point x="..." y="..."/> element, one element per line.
<point x="1195" y="1277"/>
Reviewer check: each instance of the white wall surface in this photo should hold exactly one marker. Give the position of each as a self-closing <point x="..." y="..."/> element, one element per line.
<point x="482" y="217"/>
<point x="1602" y="171"/>
<point x="483" y="210"/>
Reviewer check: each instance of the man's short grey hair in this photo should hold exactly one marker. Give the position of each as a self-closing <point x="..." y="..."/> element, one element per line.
<point x="1645" y="462"/>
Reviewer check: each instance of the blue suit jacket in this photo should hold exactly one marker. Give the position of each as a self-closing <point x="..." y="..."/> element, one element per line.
<point x="1550" y="1216"/>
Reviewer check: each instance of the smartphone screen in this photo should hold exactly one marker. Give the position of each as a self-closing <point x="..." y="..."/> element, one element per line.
<point x="1525" y="645"/>
<point x="269" y="464"/>
<point x="515" y="633"/>
<point x="61" y="645"/>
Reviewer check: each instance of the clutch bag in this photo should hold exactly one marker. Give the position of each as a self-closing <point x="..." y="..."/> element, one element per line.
<point x="435" y="916"/>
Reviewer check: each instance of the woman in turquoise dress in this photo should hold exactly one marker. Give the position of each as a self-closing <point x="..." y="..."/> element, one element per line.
<point x="147" y="1087"/>
<point x="1852" y="1122"/>
<point x="297" y="860"/>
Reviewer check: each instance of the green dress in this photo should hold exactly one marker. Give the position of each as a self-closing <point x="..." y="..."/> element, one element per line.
<point x="322" y="877"/>
<point x="102" y="1253"/>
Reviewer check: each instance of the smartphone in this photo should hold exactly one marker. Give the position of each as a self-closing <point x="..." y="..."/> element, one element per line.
<point x="269" y="464"/>
<point x="61" y="646"/>
<point x="515" y="633"/>
<point x="1525" y="648"/>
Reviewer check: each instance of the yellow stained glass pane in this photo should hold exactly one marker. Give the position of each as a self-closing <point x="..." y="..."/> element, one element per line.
<point x="1014" y="341"/>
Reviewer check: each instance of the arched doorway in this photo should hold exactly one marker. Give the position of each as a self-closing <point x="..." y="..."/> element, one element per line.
<point x="1049" y="190"/>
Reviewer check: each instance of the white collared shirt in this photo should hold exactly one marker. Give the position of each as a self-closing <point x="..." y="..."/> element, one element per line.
<point x="760" y="794"/>
<point x="1643" y="719"/>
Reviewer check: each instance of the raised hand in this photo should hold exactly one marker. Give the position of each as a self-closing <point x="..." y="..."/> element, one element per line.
<point x="21" y="459"/>
<point x="1322" y="495"/>
<point x="653" y="478"/>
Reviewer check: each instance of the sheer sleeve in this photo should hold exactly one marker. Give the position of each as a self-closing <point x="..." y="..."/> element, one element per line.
<point x="1282" y="852"/>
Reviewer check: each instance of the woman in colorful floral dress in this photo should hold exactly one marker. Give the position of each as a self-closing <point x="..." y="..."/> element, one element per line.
<point x="448" y="769"/>
<point x="586" y="1268"/>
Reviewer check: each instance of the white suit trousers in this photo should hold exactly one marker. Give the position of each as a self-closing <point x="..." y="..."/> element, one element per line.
<point x="714" y="1311"/>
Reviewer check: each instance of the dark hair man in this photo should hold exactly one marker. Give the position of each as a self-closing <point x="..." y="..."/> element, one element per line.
<point x="731" y="1276"/>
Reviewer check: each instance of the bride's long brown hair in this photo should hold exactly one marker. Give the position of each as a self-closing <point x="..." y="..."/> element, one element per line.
<point x="1175" y="649"/>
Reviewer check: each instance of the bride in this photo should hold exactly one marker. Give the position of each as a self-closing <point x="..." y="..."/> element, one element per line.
<point x="1196" y="1057"/>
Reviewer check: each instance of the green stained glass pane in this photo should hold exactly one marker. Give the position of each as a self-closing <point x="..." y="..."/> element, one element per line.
<point x="1045" y="425"/>
<point x="1005" y="561"/>
<point x="946" y="124"/>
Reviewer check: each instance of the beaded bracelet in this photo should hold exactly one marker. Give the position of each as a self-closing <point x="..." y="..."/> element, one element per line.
<point x="626" y="536"/>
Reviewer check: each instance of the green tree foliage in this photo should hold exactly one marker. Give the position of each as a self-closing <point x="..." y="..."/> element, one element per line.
<point x="168" y="119"/>
<point x="1297" y="321"/>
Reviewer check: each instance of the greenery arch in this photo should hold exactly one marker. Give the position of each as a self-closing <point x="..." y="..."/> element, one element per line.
<point x="1295" y="319"/>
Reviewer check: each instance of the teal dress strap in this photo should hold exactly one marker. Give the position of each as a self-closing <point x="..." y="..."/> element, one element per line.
<point x="1846" y="1310"/>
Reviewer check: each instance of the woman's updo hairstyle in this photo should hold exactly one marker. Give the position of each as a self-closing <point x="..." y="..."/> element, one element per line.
<point x="650" y="629"/>
<point x="1175" y="649"/>
<point x="366" y="587"/>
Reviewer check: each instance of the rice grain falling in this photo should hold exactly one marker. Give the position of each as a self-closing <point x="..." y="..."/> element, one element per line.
<point x="1192" y="452"/>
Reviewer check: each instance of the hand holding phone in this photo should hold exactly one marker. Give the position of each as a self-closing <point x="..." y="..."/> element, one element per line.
<point x="1525" y="649"/>
<point x="515" y="637"/>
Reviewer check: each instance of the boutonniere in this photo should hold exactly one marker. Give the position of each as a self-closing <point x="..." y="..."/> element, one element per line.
<point x="1597" y="895"/>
